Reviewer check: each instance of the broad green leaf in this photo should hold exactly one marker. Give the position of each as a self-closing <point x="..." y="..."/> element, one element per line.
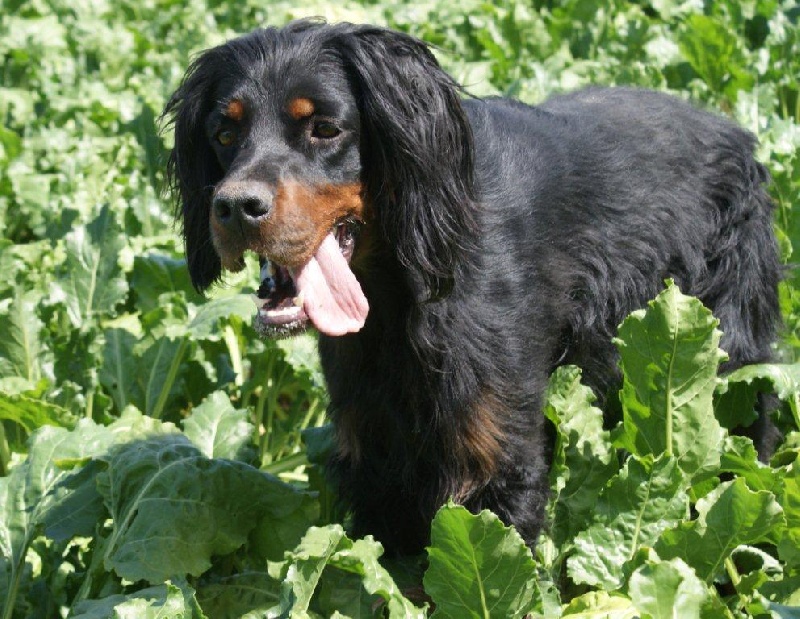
<point x="205" y="324"/>
<point x="785" y="592"/>
<point x="326" y="549"/>
<point x="120" y="370"/>
<point x="755" y="568"/>
<point x="712" y="49"/>
<point x="218" y="429"/>
<point x="782" y="379"/>
<point x="174" y="508"/>
<point x="729" y="516"/>
<point x="10" y="145"/>
<point x="669" y="356"/>
<point x="21" y="350"/>
<point x="32" y="412"/>
<point x="281" y="529"/>
<point x="304" y="568"/>
<point x="735" y="404"/>
<point x="301" y="353"/>
<point x="90" y="282"/>
<point x="739" y="457"/>
<point x="478" y="567"/>
<point x="361" y="558"/>
<point x="342" y="593"/>
<point x="38" y="494"/>
<point x="161" y="602"/>
<point x="600" y="605"/>
<point x="637" y="505"/>
<point x="142" y="372"/>
<point x="669" y="589"/>
<point x="153" y="275"/>
<point x="247" y="594"/>
<point x="159" y="370"/>
<point x="584" y="459"/>
<point x="789" y="499"/>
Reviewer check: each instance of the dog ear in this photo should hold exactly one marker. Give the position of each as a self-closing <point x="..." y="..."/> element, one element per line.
<point x="193" y="169"/>
<point x="417" y="153"/>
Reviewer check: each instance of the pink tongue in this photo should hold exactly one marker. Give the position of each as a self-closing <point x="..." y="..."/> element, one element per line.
<point x="332" y="296"/>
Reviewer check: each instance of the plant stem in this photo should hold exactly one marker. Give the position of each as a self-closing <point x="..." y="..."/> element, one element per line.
<point x="271" y="406"/>
<point x="5" y="452"/>
<point x="90" y="404"/>
<point x="16" y="575"/>
<point x="262" y="402"/>
<point x="171" y="374"/>
<point x="232" y="342"/>
<point x="286" y="464"/>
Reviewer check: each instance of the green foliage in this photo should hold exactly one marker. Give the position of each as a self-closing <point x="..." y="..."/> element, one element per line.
<point x="158" y="460"/>
<point x="463" y="578"/>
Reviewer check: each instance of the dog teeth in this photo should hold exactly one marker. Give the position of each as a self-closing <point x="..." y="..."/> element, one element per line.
<point x="279" y="312"/>
<point x="258" y="301"/>
<point x="299" y="299"/>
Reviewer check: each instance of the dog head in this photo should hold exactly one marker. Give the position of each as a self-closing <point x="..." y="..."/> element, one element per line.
<point x="289" y="141"/>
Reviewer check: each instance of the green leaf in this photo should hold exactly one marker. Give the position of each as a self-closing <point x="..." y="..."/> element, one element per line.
<point x="583" y="460"/>
<point x="162" y="602"/>
<point x="735" y="404"/>
<point x="305" y="565"/>
<point x="781" y="379"/>
<point x="160" y="369"/>
<point x="205" y="324"/>
<point x="361" y="558"/>
<point x="478" y="567"/>
<point x="789" y="499"/>
<point x="142" y="372"/>
<point x="711" y="49"/>
<point x="32" y="413"/>
<point x="240" y="595"/>
<point x="218" y="429"/>
<point x="600" y="605"/>
<point x="120" y="370"/>
<point x="173" y="508"/>
<point x="21" y="350"/>
<point x="642" y="501"/>
<point x="669" y="356"/>
<point x="739" y="457"/>
<point x="38" y="494"/>
<point x="154" y="275"/>
<point x="326" y="549"/>
<point x="729" y="516"/>
<point x="668" y="589"/>
<point x="90" y="282"/>
<point x="302" y="354"/>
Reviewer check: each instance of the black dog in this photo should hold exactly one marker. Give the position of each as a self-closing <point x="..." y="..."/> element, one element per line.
<point x="453" y="251"/>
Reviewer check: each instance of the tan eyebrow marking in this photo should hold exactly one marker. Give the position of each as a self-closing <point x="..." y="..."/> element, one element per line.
<point x="300" y="108"/>
<point x="235" y="110"/>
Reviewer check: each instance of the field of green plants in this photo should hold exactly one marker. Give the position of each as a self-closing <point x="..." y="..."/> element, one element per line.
<point x="158" y="460"/>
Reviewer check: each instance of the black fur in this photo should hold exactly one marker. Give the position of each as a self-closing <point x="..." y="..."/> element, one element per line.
<point x="501" y="240"/>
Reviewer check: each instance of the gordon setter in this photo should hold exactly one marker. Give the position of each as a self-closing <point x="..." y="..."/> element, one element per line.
<point x="452" y="251"/>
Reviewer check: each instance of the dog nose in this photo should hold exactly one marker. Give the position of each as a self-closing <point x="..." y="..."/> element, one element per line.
<point x="243" y="204"/>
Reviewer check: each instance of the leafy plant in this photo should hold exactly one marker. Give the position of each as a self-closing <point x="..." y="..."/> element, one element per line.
<point x="158" y="460"/>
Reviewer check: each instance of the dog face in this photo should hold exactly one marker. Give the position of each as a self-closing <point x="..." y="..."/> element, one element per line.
<point x="288" y="142"/>
<point x="289" y="152"/>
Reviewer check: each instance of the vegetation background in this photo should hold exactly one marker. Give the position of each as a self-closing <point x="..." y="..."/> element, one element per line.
<point x="159" y="460"/>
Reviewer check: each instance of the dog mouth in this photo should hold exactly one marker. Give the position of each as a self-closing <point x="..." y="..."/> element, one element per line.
<point x="323" y="291"/>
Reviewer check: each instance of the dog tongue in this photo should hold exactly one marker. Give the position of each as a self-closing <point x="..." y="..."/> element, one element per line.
<point x="332" y="296"/>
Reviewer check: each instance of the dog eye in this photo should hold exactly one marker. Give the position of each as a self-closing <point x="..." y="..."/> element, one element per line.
<point x="226" y="137"/>
<point x="325" y="130"/>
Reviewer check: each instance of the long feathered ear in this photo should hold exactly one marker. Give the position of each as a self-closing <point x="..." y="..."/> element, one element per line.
<point x="417" y="152"/>
<point x="192" y="168"/>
